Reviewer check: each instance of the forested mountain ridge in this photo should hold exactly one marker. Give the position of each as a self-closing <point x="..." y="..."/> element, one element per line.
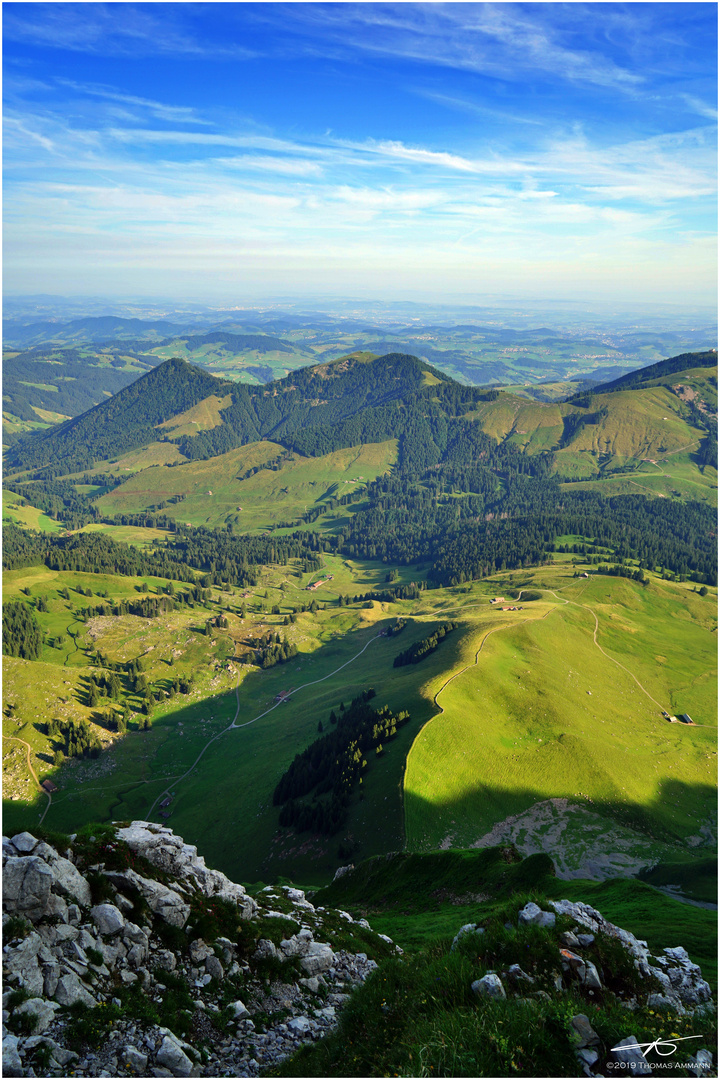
<point x="237" y="342"/>
<point x="125" y="421"/>
<point x="304" y="407"/>
<point x="648" y="375"/>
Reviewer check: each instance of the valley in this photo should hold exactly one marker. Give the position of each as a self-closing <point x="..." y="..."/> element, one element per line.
<point x="208" y="587"/>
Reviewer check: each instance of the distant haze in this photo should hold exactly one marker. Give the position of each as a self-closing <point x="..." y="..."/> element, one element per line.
<point x="462" y="153"/>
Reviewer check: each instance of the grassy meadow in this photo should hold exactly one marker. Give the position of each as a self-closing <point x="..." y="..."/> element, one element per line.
<point x="544" y="741"/>
<point x="217" y="494"/>
<point x="544" y="715"/>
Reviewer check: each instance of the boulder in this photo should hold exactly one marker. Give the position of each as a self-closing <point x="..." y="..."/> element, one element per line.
<point x="532" y="915"/>
<point x="265" y="950"/>
<point x="68" y="881"/>
<point x="108" y="919"/>
<point x="661" y="1002"/>
<point x="165" y="960"/>
<point x="26" y="886"/>
<point x="172" y="1056"/>
<point x="161" y="847"/>
<point x="20" y="965"/>
<point x="629" y="1053"/>
<point x="239" y="1010"/>
<point x="56" y="908"/>
<point x="135" y="1060"/>
<point x="582" y="1033"/>
<point x="24" y="842"/>
<point x="468" y="928"/>
<point x="489" y="986"/>
<point x="199" y="951"/>
<point x="701" y="1064"/>
<point x="294" y="946"/>
<point x="517" y="973"/>
<point x="319" y="958"/>
<point x="591" y="979"/>
<point x="11" y="1062"/>
<point x="69" y="990"/>
<point x="299" y="1025"/>
<point x="214" y="967"/>
<point x="43" y="1011"/>
<point x="165" y="902"/>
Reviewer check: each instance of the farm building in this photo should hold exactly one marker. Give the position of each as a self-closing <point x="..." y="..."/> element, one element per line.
<point x="166" y="802"/>
<point x="498" y="600"/>
<point x="685" y="719"/>
<point x="47" y="785"/>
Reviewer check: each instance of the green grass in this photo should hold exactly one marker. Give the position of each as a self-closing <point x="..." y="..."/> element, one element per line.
<point x="216" y="496"/>
<point x="419" y="899"/>
<point x="18" y="511"/>
<point x="545" y="715"/>
<point x="418" y="1016"/>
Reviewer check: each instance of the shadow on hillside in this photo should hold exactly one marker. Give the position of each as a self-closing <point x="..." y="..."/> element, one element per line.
<point x="658" y="821"/>
<point x="331" y="676"/>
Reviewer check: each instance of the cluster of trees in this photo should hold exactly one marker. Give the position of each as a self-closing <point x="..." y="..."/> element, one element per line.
<point x="623" y="571"/>
<point x="103" y="685"/>
<point x="331" y="767"/>
<point x="225" y="559"/>
<point x="421" y="649"/>
<point x="22" y="635"/>
<point x="573" y="423"/>
<point x="76" y="739"/>
<point x="271" y="650"/>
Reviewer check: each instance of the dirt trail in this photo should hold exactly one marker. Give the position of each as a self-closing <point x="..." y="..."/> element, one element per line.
<point x="237" y="727"/>
<point x="495" y="629"/>
<point x="607" y="655"/>
<point x="40" y="788"/>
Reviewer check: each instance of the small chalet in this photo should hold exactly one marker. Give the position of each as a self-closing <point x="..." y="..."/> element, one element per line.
<point x="498" y="600"/>
<point x="166" y="802"/>
<point x="48" y="786"/>
<point x="685" y="719"/>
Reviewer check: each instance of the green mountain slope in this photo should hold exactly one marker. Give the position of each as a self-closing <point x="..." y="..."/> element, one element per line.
<point x="122" y="423"/>
<point x="664" y="368"/>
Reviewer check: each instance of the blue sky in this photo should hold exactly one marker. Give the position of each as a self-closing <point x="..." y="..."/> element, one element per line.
<point x="379" y="150"/>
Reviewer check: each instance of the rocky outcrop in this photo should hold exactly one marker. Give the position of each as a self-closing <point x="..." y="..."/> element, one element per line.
<point x="161" y="847"/>
<point x="122" y="945"/>
<point x="580" y="970"/>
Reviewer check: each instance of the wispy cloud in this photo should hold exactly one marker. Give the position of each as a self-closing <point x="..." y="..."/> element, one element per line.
<point x="176" y="114"/>
<point x="145" y="173"/>
<point x="505" y="40"/>
<point x="700" y="107"/>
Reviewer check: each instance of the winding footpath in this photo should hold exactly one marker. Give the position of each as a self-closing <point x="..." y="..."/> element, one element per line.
<point x="585" y="607"/>
<point x="234" y="726"/>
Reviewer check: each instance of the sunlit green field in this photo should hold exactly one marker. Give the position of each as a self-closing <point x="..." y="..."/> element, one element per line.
<point x="19" y="512"/>
<point x="216" y="494"/>
<point x="543" y="714"/>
